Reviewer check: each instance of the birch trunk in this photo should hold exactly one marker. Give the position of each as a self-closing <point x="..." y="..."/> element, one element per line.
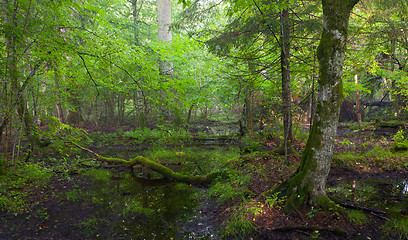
<point x="164" y="21"/>
<point x="307" y="186"/>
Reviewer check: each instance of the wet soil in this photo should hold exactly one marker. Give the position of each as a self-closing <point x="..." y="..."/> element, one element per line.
<point x="60" y="221"/>
<point x="63" y="217"/>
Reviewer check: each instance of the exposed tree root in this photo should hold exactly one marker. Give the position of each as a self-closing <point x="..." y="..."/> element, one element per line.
<point x="166" y="172"/>
<point x="337" y="231"/>
<point x="375" y="212"/>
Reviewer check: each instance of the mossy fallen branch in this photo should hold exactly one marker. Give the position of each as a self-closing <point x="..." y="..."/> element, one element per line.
<point x="166" y="172"/>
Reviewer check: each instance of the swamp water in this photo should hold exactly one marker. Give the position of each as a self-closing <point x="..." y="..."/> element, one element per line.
<point x="384" y="194"/>
<point x="132" y="208"/>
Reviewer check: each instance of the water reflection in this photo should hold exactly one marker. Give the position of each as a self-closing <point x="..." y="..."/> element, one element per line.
<point x="404" y="186"/>
<point x="131" y="207"/>
<point x="382" y="194"/>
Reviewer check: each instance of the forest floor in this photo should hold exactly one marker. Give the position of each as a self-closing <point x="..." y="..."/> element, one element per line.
<point x="53" y="217"/>
<point x="311" y="223"/>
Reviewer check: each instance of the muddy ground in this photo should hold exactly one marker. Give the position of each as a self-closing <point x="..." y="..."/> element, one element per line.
<point x="63" y="216"/>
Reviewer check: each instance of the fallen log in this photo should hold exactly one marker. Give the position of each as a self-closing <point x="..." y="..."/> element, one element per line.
<point x="166" y="172"/>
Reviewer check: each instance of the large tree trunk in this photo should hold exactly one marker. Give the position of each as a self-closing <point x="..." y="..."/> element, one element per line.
<point x="307" y="186"/>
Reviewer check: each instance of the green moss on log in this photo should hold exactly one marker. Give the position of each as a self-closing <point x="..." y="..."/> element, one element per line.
<point x="166" y="172"/>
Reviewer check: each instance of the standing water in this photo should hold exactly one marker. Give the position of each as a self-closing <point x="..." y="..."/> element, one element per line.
<point x="131" y="207"/>
<point x="385" y="194"/>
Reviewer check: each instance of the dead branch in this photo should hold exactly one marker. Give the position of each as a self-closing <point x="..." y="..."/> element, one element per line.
<point x="166" y="172"/>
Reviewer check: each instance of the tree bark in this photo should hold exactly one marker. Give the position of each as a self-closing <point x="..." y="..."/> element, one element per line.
<point x="164" y="21"/>
<point x="60" y="111"/>
<point x="307" y="185"/>
<point x="286" y="92"/>
<point x="249" y="126"/>
<point x="135" y="13"/>
<point x="139" y="99"/>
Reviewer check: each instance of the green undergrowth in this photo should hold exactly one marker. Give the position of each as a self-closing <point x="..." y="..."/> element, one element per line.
<point x="60" y="136"/>
<point x="274" y="132"/>
<point x="245" y="214"/>
<point x="400" y="141"/>
<point x="90" y="225"/>
<point x="232" y="189"/>
<point x="239" y="224"/>
<point x="232" y="194"/>
<point x="197" y="160"/>
<point x="160" y="135"/>
<point x="18" y="185"/>
<point x="357" y="217"/>
<point x="378" y="157"/>
<point x="355" y="127"/>
<point x="396" y="228"/>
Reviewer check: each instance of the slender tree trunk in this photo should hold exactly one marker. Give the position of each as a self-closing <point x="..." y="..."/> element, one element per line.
<point x="358" y="103"/>
<point x="308" y="184"/>
<point x="141" y="108"/>
<point x="110" y="110"/>
<point x="141" y="105"/>
<point x="10" y="17"/>
<point x="8" y="103"/>
<point x="190" y="110"/>
<point x="74" y="116"/>
<point x="121" y="108"/>
<point x="286" y="92"/>
<point x="204" y="113"/>
<point x="248" y="112"/>
<point x="135" y="13"/>
<point x="58" y="105"/>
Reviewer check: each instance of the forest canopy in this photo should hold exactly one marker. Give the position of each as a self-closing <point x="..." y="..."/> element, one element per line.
<point x="97" y="63"/>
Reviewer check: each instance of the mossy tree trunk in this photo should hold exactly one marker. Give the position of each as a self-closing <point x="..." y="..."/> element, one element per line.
<point x="307" y="186"/>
